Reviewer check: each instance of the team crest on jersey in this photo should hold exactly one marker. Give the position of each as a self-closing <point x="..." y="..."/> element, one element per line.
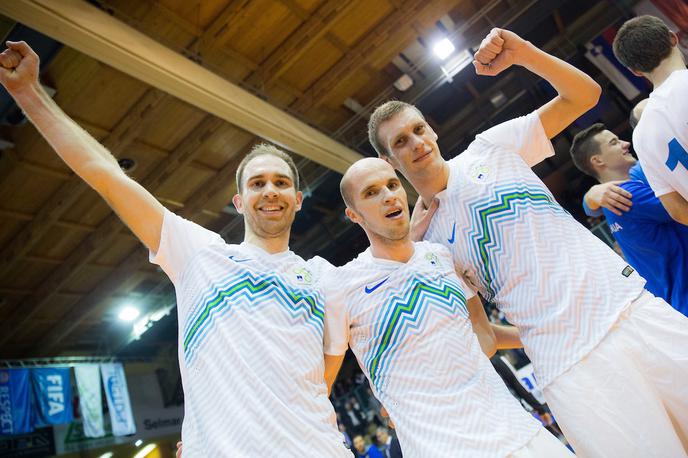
<point x="480" y="173"/>
<point x="432" y="259"/>
<point x="615" y="227"/>
<point x="303" y="275"/>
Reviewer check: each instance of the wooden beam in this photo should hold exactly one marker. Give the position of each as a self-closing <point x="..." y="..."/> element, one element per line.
<point x="93" y="32"/>
<point x="60" y="201"/>
<point x="85" y="308"/>
<point x="300" y="41"/>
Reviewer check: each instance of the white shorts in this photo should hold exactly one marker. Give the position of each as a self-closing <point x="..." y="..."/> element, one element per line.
<point x="629" y="396"/>
<point x="543" y="445"/>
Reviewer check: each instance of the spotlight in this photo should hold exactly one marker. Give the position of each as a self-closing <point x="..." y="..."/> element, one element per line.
<point x="443" y="48"/>
<point x="128" y="313"/>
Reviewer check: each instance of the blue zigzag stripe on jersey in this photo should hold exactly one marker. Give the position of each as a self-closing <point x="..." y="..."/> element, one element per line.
<point x="404" y="313"/>
<point x="489" y="216"/>
<point x="253" y="291"/>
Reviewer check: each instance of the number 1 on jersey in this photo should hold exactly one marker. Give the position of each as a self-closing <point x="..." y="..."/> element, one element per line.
<point x="677" y="153"/>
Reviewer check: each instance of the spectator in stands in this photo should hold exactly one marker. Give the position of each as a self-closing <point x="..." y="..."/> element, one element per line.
<point x="361" y="450"/>
<point x="342" y="429"/>
<point x="353" y="420"/>
<point x="383" y="439"/>
<point x="648" y="48"/>
<point x="652" y="242"/>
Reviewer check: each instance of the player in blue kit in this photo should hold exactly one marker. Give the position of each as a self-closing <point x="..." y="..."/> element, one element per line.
<point x="652" y="242"/>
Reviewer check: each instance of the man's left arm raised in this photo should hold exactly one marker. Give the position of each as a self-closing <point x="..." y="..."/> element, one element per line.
<point x="577" y="92"/>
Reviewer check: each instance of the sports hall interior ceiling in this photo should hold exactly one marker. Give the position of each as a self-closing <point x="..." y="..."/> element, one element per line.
<point x="67" y="264"/>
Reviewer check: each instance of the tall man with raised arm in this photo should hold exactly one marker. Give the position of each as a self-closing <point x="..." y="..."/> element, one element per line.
<point x="610" y="356"/>
<point x="412" y="324"/>
<point x="250" y="316"/>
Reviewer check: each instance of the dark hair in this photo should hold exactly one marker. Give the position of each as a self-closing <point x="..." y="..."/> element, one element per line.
<point x="265" y="149"/>
<point x="584" y="147"/>
<point x="642" y="43"/>
<point x="383" y="113"/>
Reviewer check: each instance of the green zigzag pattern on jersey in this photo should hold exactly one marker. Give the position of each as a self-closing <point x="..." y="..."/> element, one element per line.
<point x="406" y="308"/>
<point x="250" y="287"/>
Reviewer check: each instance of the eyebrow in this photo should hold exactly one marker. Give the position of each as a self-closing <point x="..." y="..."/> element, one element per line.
<point x="367" y="188"/>
<point x="262" y="175"/>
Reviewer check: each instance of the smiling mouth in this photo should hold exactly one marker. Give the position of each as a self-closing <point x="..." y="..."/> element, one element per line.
<point x="420" y="158"/>
<point x="271" y="209"/>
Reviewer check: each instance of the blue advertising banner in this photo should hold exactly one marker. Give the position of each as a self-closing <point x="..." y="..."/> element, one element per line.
<point x="117" y="395"/>
<point x="15" y="402"/>
<point x="53" y="394"/>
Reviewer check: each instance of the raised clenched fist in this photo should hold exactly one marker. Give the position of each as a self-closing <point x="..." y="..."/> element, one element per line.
<point x="18" y="67"/>
<point x="499" y="50"/>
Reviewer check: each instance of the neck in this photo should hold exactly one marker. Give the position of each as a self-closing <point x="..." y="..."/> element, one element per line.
<point x="668" y="66"/>
<point x="272" y="245"/>
<point x="612" y="175"/>
<point x="393" y="250"/>
<point x="431" y="183"/>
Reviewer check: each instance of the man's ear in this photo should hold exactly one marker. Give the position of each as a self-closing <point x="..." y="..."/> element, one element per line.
<point x="299" y="200"/>
<point x="596" y="160"/>
<point x="238" y="204"/>
<point x="673" y="38"/>
<point x="352" y="215"/>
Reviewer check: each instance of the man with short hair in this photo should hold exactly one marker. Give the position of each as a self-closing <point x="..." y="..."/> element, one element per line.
<point x="250" y="315"/>
<point x="597" y="340"/>
<point x="647" y="47"/>
<point x="417" y="332"/>
<point x="652" y="242"/>
<point x="361" y="450"/>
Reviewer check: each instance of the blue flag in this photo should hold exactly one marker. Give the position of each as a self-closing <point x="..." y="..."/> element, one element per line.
<point x="53" y="394"/>
<point x="15" y="402"/>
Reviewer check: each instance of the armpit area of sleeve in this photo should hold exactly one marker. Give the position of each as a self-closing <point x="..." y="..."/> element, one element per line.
<point x="161" y="257"/>
<point x="537" y="147"/>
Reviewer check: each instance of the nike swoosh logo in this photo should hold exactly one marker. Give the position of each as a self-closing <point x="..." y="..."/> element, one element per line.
<point x="233" y="258"/>
<point x="369" y="290"/>
<point x="452" y="238"/>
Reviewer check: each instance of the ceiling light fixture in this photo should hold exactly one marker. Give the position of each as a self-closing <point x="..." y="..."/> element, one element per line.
<point x="128" y="313"/>
<point x="443" y="48"/>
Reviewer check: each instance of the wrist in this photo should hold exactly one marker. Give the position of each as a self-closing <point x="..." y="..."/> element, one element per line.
<point x="28" y="92"/>
<point x="527" y="54"/>
<point x="591" y="203"/>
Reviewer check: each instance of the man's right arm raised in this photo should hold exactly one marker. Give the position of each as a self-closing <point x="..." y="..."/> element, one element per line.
<point x="139" y="210"/>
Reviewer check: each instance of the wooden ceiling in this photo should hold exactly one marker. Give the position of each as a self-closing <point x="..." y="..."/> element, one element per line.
<point x="67" y="264"/>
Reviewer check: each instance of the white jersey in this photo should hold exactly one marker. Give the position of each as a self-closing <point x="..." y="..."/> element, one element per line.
<point x="250" y="347"/>
<point x="661" y="136"/>
<point x="520" y="249"/>
<point x="408" y="326"/>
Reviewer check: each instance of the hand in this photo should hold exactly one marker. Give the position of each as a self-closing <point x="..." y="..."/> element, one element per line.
<point x="609" y="195"/>
<point x="179" y="449"/>
<point x="498" y="51"/>
<point x="421" y="217"/>
<point x="18" y="67"/>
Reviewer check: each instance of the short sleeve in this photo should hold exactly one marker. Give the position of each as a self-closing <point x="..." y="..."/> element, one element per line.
<point x="523" y="135"/>
<point x="180" y="240"/>
<point x="336" y="334"/>
<point x="650" y="140"/>
<point x="468" y="290"/>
